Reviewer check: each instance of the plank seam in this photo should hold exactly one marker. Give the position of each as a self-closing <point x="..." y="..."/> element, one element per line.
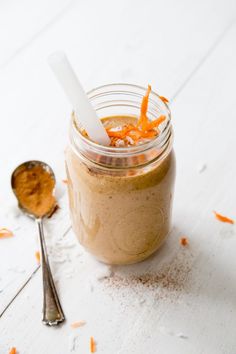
<point x="28" y="280"/>
<point x="203" y="60"/>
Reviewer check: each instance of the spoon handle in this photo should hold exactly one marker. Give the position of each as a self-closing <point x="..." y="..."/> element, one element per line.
<point x="52" y="310"/>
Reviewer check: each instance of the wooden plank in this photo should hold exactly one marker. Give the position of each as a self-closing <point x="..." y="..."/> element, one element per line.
<point x="21" y="23"/>
<point x="197" y="317"/>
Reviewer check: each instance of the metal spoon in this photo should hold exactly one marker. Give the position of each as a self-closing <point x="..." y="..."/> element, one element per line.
<point x="52" y="311"/>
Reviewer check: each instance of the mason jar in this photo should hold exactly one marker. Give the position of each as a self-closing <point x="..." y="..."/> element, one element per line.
<point x="121" y="197"/>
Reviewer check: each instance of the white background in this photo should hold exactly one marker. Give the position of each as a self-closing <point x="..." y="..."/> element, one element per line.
<point x="187" y="51"/>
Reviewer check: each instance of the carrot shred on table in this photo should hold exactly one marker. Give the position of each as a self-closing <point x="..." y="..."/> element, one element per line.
<point x="223" y="218"/>
<point x="65" y="181"/>
<point x="92" y="345"/>
<point x="12" y="350"/>
<point x="164" y="99"/>
<point x="5" y="233"/>
<point x="37" y="256"/>
<point x="183" y="241"/>
<point x="77" y="324"/>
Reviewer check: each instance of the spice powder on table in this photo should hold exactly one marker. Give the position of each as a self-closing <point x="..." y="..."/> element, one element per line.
<point x="171" y="277"/>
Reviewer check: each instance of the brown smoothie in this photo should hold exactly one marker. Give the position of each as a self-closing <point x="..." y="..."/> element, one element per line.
<point x="123" y="217"/>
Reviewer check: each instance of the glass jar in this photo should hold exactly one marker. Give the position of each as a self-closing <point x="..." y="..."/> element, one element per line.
<point x="121" y="198"/>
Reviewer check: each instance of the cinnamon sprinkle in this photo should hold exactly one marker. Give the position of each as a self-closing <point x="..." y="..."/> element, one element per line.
<point x="170" y="278"/>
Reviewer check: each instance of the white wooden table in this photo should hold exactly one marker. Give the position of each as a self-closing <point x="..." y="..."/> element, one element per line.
<point x="187" y="51"/>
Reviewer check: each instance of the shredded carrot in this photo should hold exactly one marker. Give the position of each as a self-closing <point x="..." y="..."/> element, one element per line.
<point x="165" y="100"/>
<point x="183" y="241"/>
<point x="5" y="233"/>
<point x="92" y="345"/>
<point x="155" y="123"/>
<point x="65" y="181"/>
<point x="37" y="256"/>
<point x="143" y="120"/>
<point x="149" y="134"/>
<point x="144" y="105"/>
<point x="223" y="218"/>
<point x="144" y="127"/>
<point x="12" y="351"/>
<point x="77" y="324"/>
<point x="117" y="134"/>
<point x="135" y="135"/>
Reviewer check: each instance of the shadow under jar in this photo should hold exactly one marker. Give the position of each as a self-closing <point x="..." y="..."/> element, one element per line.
<point x="121" y="198"/>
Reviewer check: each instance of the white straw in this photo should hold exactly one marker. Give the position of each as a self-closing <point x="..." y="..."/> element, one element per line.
<point x="78" y="98"/>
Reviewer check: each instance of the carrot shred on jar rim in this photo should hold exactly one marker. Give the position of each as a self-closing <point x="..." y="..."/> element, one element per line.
<point x="5" y="233"/>
<point x="12" y="350"/>
<point x="92" y="345"/>
<point x="223" y="218"/>
<point x="164" y="99"/>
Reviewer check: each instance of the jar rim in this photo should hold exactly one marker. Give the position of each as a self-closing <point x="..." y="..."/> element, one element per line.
<point x="158" y="141"/>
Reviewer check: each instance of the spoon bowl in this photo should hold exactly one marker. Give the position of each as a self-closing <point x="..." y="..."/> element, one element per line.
<point x="29" y="165"/>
